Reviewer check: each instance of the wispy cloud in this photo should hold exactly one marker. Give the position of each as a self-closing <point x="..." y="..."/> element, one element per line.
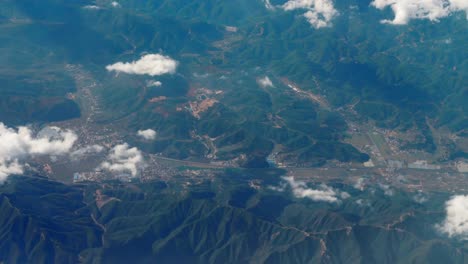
<point x="268" y="4"/>
<point x="16" y="145"/>
<point x="406" y="10"/>
<point x="150" y="64"/>
<point x="91" y="7"/>
<point x="122" y="158"/>
<point x="456" y="221"/>
<point x="87" y="150"/>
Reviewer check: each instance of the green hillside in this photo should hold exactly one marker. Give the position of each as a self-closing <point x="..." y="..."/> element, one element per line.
<point x="211" y="222"/>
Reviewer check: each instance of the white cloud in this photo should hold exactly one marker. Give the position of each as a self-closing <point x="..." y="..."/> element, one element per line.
<point x="345" y="195"/>
<point x="265" y="82"/>
<point x="459" y="5"/>
<point x="323" y="194"/>
<point x="268" y="4"/>
<point x="297" y="4"/>
<point x="153" y="83"/>
<point x="8" y="168"/>
<point x="405" y="10"/>
<point x="281" y="188"/>
<point x="388" y="191"/>
<point x="81" y="152"/>
<point x="319" y="12"/>
<point x="360" y="184"/>
<point x="150" y="64"/>
<point x="122" y="158"/>
<point x="19" y="144"/>
<point x="115" y="4"/>
<point x="421" y="197"/>
<point x="92" y="7"/>
<point x="456" y="221"/>
<point x="148" y="134"/>
<point x="363" y="203"/>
